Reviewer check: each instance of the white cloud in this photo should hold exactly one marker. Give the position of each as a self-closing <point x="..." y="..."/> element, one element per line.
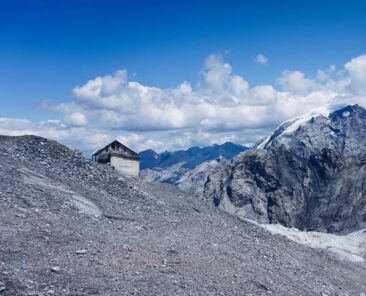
<point x="261" y="59"/>
<point x="222" y="106"/>
<point x="76" y="118"/>
<point x="75" y="137"/>
<point x="114" y="102"/>
<point x="138" y="142"/>
<point x="296" y="82"/>
<point x="357" y="72"/>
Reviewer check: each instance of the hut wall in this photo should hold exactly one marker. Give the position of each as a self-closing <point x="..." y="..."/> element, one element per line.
<point x="126" y="166"/>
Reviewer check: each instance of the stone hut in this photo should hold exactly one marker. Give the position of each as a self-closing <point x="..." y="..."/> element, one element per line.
<point x="122" y="158"/>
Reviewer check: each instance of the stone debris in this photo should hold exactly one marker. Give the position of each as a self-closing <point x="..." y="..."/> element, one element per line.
<point x="55" y="269"/>
<point x="81" y="252"/>
<point x="158" y="245"/>
<point x="2" y="286"/>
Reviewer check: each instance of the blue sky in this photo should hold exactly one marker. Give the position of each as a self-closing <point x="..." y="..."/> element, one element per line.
<point x="47" y="48"/>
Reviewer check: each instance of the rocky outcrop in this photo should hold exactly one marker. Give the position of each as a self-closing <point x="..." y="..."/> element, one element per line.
<point x="310" y="174"/>
<point x="193" y="181"/>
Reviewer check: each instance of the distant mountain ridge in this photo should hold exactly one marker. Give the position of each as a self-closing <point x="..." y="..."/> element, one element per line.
<point x="192" y="156"/>
<point x="170" y="166"/>
<point x="149" y="159"/>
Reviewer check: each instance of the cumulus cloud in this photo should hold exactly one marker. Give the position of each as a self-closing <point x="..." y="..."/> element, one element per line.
<point x="76" y="118"/>
<point x="83" y="138"/>
<point x="296" y="82"/>
<point x="219" y="102"/>
<point x="357" y="74"/>
<point x="222" y="106"/>
<point x="140" y="143"/>
<point x="222" y="101"/>
<point x="75" y="137"/>
<point x="261" y="59"/>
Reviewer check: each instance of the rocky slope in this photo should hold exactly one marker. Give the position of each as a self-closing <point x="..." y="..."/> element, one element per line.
<point x="170" y="167"/>
<point x="72" y="227"/>
<point x="193" y="181"/>
<point x="309" y="174"/>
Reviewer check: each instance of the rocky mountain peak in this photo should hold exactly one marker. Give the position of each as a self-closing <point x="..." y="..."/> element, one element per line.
<point x="310" y="174"/>
<point x="333" y="127"/>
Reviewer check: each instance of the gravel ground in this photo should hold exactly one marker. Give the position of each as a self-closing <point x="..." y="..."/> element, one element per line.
<point x="72" y="227"/>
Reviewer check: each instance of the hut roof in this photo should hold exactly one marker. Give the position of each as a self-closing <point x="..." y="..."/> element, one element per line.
<point x="128" y="153"/>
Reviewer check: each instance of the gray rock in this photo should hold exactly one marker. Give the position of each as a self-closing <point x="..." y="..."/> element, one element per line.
<point x="81" y="252"/>
<point x="55" y="268"/>
<point x="310" y="175"/>
<point x="2" y="286"/>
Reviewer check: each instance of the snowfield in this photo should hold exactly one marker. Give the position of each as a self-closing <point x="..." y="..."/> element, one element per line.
<point x="351" y="246"/>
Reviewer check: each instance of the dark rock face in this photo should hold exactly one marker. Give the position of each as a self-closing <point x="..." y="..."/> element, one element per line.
<point x="312" y="177"/>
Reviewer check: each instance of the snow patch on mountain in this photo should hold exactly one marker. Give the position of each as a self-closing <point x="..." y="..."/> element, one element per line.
<point x="286" y="129"/>
<point x="83" y="204"/>
<point x="351" y="246"/>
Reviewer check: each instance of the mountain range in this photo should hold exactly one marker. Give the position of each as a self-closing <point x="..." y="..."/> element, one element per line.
<point x="171" y="166"/>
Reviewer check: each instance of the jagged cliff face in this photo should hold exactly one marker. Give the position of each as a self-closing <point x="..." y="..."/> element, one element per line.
<point x="310" y="174"/>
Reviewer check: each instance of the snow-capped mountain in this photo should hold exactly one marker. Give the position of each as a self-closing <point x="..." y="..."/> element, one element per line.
<point x="170" y="167"/>
<point x="309" y="174"/>
<point x="315" y="130"/>
<point x="286" y="130"/>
